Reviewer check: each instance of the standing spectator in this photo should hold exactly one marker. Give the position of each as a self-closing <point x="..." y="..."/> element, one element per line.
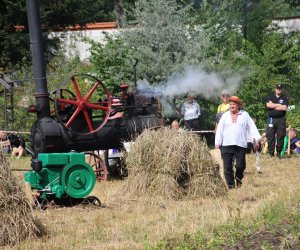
<point x="277" y="105"/>
<point x="232" y="132"/>
<point x="191" y="113"/>
<point x="224" y="106"/>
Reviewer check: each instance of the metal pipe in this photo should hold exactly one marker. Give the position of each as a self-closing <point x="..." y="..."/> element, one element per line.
<point x="5" y="108"/>
<point x="37" y="51"/>
<point x="12" y="105"/>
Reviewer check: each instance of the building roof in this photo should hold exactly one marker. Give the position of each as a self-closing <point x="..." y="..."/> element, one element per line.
<point x="89" y="26"/>
<point x="286" y="18"/>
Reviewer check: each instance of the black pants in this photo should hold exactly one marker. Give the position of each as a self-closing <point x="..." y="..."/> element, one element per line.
<point x="192" y="124"/>
<point x="276" y="128"/>
<point x="229" y="153"/>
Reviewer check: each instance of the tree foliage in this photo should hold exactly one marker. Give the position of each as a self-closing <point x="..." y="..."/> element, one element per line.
<point x="15" y="43"/>
<point x="276" y="61"/>
<point x="162" y="35"/>
<point x="234" y="35"/>
<point x="111" y="62"/>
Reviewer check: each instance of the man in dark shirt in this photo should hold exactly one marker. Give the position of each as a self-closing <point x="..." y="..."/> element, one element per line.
<point x="277" y="105"/>
<point x="18" y="144"/>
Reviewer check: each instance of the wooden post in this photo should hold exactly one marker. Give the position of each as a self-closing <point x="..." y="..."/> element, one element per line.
<point x="289" y="140"/>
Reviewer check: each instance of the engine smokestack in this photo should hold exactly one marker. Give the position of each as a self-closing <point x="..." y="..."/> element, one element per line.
<point x="41" y="91"/>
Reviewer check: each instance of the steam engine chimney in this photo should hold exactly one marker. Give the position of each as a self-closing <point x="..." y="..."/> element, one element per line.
<point x="41" y="91"/>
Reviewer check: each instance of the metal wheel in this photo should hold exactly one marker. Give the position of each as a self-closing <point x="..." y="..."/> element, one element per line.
<point x="41" y="203"/>
<point x="98" y="165"/>
<point x="91" y="201"/>
<point x="78" y="180"/>
<point x="61" y="94"/>
<point x="88" y="110"/>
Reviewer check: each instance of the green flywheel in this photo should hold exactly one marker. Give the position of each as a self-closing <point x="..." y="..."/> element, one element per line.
<point x="78" y="180"/>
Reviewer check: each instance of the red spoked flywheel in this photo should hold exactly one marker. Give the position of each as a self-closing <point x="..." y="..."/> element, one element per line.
<point x="88" y="110"/>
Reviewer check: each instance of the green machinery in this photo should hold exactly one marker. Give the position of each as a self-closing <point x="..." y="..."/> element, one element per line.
<point x="61" y="176"/>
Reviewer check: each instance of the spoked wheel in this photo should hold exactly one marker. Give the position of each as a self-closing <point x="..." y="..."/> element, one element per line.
<point x="88" y="110"/>
<point x="61" y="107"/>
<point x="98" y="164"/>
<point x="91" y="201"/>
<point x="42" y="204"/>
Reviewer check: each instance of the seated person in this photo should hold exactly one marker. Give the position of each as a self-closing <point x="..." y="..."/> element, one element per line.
<point x="4" y="143"/>
<point x="294" y="141"/>
<point x="18" y="144"/>
<point x="297" y="149"/>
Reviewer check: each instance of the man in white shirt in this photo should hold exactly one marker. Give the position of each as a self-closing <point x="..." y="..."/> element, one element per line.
<point x="191" y="113"/>
<point x="232" y="132"/>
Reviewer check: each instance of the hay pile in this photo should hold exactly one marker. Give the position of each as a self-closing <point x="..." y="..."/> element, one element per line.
<point x="172" y="164"/>
<point x="17" y="220"/>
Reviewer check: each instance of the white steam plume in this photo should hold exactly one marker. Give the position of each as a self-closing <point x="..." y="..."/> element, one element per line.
<point x="194" y="80"/>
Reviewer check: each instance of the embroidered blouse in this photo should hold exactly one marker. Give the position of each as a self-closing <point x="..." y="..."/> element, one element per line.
<point x="234" y="129"/>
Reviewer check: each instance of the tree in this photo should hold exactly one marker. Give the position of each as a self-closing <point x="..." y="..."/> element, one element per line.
<point x="252" y="17"/>
<point x="163" y="35"/>
<point x="241" y="39"/>
<point x="278" y="61"/>
<point x="111" y="62"/>
<point x="15" y="43"/>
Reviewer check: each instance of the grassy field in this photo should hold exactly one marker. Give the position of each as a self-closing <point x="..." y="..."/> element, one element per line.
<point x="261" y="206"/>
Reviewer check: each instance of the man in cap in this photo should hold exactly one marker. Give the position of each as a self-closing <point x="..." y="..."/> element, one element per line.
<point x="232" y="133"/>
<point x="276" y="104"/>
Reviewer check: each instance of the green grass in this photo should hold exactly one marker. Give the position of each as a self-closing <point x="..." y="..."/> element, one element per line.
<point x="262" y="214"/>
<point x="278" y="227"/>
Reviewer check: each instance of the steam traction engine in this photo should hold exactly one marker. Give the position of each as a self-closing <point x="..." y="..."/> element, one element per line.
<point x="84" y="117"/>
<point x="80" y="115"/>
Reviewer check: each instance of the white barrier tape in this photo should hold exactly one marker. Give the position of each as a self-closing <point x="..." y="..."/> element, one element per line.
<point x="200" y="131"/>
<point x="14" y="132"/>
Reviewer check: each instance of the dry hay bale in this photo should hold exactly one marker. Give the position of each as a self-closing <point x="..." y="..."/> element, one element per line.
<point x="17" y="220"/>
<point x="172" y="164"/>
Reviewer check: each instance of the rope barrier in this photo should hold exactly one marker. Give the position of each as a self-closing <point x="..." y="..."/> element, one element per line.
<point x="199" y="131"/>
<point x="14" y="132"/>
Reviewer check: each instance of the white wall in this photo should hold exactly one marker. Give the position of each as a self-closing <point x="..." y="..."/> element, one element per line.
<point x="73" y="44"/>
<point x="288" y="25"/>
